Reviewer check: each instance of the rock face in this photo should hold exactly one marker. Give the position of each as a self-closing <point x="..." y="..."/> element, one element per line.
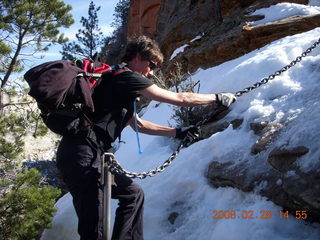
<point x="143" y="16"/>
<point x="222" y="27"/>
<point x="228" y="39"/>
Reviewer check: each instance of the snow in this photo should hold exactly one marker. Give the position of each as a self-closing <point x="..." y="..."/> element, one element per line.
<point x="181" y="49"/>
<point x="285" y="10"/>
<point x="291" y="99"/>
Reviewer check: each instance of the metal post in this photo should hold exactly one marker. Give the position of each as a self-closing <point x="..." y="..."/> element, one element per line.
<point x="107" y="182"/>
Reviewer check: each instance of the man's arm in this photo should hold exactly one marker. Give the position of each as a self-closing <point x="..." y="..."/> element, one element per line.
<point x="152" y="128"/>
<point x="183" y="99"/>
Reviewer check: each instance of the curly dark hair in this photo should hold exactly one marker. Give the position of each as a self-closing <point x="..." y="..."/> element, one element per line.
<point x="147" y="48"/>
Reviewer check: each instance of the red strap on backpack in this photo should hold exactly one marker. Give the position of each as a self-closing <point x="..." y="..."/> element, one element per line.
<point x="94" y="67"/>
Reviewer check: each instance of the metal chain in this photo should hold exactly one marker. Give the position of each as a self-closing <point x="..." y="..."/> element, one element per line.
<point x="114" y="166"/>
<point x="279" y="72"/>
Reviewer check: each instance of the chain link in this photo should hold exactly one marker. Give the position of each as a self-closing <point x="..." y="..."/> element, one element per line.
<point x="279" y="72"/>
<point x="115" y="167"/>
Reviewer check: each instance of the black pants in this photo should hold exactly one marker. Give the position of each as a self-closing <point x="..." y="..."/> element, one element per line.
<point x="78" y="159"/>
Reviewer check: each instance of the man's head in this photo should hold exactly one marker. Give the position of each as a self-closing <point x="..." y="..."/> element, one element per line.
<point x="143" y="55"/>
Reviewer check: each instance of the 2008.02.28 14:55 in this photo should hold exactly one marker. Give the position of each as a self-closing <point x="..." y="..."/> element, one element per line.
<point x="267" y="214"/>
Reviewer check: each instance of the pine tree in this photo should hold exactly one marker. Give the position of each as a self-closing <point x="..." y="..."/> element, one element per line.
<point x="114" y="44"/>
<point x="89" y="38"/>
<point x="19" y="118"/>
<point x="26" y="207"/>
<point x="28" y="27"/>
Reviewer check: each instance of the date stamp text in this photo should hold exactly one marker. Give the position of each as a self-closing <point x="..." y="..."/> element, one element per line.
<point x="263" y="214"/>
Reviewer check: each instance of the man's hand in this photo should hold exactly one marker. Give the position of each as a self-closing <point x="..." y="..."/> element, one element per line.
<point x="189" y="133"/>
<point x="225" y="99"/>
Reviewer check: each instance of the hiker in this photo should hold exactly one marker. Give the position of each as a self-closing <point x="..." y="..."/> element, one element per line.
<point x="79" y="156"/>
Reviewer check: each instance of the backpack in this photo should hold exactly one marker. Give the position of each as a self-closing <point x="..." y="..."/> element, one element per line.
<point x="63" y="91"/>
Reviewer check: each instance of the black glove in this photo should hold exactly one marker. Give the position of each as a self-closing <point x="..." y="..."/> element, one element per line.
<point x="189" y="133"/>
<point x="225" y="99"/>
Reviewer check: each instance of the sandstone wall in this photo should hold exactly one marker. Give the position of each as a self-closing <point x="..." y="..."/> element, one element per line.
<point x="143" y="16"/>
<point x="222" y="25"/>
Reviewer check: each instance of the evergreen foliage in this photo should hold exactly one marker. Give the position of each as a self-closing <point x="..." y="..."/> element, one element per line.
<point x="89" y="38"/>
<point x="16" y="121"/>
<point x="13" y="125"/>
<point x="114" y="45"/>
<point x="26" y="207"/>
<point x="28" y="27"/>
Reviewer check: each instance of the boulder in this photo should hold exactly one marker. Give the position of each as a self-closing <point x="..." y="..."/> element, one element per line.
<point x="282" y="159"/>
<point x="267" y="132"/>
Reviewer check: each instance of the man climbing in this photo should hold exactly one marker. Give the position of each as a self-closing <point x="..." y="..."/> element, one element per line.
<point x="78" y="157"/>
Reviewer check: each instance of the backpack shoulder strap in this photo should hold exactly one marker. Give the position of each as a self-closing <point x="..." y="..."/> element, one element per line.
<point x="120" y="68"/>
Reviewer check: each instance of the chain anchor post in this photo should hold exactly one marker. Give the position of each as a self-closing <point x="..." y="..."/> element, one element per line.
<point x="107" y="181"/>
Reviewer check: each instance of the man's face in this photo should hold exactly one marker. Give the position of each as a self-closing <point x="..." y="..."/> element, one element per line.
<point x="144" y="67"/>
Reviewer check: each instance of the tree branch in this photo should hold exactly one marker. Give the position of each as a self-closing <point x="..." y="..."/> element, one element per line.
<point x="15" y="104"/>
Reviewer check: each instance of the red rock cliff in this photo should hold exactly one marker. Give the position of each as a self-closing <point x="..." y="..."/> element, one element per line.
<point x="143" y="16"/>
<point x="222" y="25"/>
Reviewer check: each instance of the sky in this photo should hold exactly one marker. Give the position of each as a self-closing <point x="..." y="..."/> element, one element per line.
<point x="291" y="99"/>
<point x="80" y="9"/>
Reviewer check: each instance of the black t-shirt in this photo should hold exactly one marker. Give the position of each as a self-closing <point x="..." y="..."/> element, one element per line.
<point x="113" y="101"/>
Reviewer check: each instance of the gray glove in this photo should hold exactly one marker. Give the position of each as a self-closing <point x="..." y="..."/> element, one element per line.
<point x="189" y="133"/>
<point x="225" y="99"/>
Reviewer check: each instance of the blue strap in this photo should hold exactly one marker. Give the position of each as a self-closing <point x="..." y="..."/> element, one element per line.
<point x="136" y="125"/>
